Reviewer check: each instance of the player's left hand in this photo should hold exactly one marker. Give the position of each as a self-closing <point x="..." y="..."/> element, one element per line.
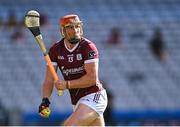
<point x="60" y="84"/>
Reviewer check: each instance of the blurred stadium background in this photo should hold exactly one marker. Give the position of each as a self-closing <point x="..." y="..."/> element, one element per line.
<point x="145" y="90"/>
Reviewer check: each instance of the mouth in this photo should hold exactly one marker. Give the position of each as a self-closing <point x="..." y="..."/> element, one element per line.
<point x="75" y="37"/>
<point x="74" y="40"/>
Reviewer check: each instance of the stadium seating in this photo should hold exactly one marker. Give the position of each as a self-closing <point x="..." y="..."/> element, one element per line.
<point x="137" y="80"/>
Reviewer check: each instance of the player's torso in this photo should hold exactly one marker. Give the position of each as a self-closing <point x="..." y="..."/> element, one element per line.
<point x="71" y="63"/>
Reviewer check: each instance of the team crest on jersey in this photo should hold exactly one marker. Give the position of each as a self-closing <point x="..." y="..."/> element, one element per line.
<point x="60" y="57"/>
<point x="79" y="56"/>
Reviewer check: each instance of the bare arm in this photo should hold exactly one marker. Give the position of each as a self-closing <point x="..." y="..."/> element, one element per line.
<point x="47" y="84"/>
<point x="87" y="80"/>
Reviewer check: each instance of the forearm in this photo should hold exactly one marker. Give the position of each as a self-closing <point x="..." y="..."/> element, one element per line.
<point x="47" y="89"/>
<point x="83" y="82"/>
<point x="48" y="84"/>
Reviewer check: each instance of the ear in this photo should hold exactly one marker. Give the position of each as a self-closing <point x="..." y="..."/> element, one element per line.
<point x="81" y="31"/>
<point x="62" y="32"/>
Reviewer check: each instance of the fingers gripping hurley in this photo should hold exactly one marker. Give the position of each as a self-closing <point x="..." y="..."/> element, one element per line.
<point x="32" y="23"/>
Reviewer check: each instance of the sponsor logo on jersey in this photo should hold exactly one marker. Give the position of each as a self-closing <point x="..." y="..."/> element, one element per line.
<point x="91" y="55"/>
<point x="60" y="57"/>
<point x="79" y="56"/>
<point x="72" y="70"/>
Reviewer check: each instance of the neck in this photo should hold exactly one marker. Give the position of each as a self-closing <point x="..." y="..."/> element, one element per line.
<point x="68" y="44"/>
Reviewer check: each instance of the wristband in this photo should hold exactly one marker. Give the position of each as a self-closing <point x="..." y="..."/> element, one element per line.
<point x="67" y="84"/>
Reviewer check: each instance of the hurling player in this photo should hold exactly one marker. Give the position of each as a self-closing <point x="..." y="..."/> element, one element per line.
<point x="78" y="60"/>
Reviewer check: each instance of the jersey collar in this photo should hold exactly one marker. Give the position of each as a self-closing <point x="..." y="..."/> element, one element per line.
<point x="71" y="50"/>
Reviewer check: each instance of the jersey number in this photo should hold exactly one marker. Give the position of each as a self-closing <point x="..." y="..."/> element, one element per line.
<point x="70" y="59"/>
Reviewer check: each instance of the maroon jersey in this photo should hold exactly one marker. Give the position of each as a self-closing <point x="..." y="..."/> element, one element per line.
<point x="71" y="63"/>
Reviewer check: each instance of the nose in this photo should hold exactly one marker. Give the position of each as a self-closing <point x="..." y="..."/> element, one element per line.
<point x="75" y="29"/>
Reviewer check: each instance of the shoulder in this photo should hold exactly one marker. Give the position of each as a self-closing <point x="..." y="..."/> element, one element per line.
<point x="56" y="45"/>
<point x="86" y="43"/>
<point x="89" y="49"/>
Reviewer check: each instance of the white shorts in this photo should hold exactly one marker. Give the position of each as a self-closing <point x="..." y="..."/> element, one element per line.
<point x="96" y="101"/>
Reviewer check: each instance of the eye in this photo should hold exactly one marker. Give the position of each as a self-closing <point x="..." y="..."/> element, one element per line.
<point x="78" y="25"/>
<point x="70" y="26"/>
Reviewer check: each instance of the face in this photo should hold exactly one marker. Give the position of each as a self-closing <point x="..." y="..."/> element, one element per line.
<point x="72" y="32"/>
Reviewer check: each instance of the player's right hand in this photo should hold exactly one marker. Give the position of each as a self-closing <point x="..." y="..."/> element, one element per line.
<point x="44" y="110"/>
